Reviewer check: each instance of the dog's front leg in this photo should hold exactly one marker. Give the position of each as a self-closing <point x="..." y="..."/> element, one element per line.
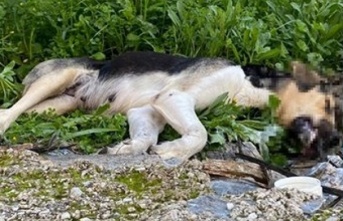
<point x="46" y="86"/>
<point x="178" y="109"/>
<point x="145" y="124"/>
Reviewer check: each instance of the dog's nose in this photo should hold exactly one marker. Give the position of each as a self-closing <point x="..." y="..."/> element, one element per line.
<point x="307" y="136"/>
<point x="303" y="128"/>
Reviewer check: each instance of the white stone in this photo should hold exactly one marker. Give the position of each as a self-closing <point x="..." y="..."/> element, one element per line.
<point x="230" y="206"/>
<point x="65" y="215"/>
<point x="75" y="192"/>
<point x="252" y="216"/>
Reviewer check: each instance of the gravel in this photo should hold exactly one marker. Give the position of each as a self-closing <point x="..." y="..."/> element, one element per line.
<point x="35" y="187"/>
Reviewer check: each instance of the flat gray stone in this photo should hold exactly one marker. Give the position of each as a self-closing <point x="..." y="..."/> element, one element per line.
<point x="231" y="187"/>
<point x="104" y="160"/>
<point x="209" y="204"/>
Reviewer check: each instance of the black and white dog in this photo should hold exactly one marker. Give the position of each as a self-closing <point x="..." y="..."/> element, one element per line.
<point x="155" y="89"/>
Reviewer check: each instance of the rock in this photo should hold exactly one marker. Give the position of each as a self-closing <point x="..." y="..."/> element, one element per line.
<point x="328" y="175"/>
<point x="230" y="206"/>
<point x="321" y="168"/>
<point x="235" y="187"/>
<point x="44" y="213"/>
<point x="210" y="204"/>
<point x="127" y="200"/>
<point x="333" y="179"/>
<point x="274" y="176"/>
<point x="76" y="214"/>
<point x="85" y="219"/>
<point x="333" y="219"/>
<point x="312" y="206"/>
<point x="172" y="215"/>
<point x="131" y="209"/>
<point x="252" y="216"/>
<point x="87" y="183"/>
<point x="250" y="149"/>
<point x="172" y="162"/>
<point x="335" y="160"/>
<point x="65" y="215"/>
<point x="106" y="215"/>
<point x="75" y="193"/>
<point x="229" y="150"/>
<point x="60" y="152"/>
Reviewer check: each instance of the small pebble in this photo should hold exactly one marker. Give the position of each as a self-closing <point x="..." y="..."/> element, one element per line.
<point x="75" y="192"/>
<point x="65" y="215"/>
<point x="252" y="216"/>
<point x="230" y="206"/>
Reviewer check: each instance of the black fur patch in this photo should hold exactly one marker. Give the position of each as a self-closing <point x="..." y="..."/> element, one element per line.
<point x="262" y="76"/>
<point x="142" y="62"/>
<point x="303" y="87"/>
<point x="84" y="61"/>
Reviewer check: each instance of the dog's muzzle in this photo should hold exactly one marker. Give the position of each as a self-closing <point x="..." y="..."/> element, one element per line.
<point x="317" y="140"/>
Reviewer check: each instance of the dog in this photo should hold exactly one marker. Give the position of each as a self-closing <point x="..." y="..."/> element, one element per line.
<point x="155" y="89"/>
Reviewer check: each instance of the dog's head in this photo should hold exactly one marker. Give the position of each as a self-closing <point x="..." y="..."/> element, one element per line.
<point x="311" y="112"/>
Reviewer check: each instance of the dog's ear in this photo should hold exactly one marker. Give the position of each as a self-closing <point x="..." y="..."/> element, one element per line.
<point x="335" y="88"/>
<point x="339" y="114"/>
<point x="305" y="78"/>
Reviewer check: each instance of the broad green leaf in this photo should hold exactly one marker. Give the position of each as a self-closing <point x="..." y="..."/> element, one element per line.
<point x="173" y="16"/>
<point x="217" y="138"/>
<point x="9" y="67"/>
<point x="314" y="58"/>
<point x="99" y="56"/>
<point x="132" y="37"/>
<point x="301" y="26"/>
<point x="333" y="30"/>
<point x="302" y="45"/>
<point x="273" y="102"/>
<point x="269" y="54"/>
<point x="102" y="109"/>
<point x="296" y="7"/>
<point x="89" y="132"/>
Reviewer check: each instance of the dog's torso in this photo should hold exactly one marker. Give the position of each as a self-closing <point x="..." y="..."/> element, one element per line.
<point x="135" y="79"/>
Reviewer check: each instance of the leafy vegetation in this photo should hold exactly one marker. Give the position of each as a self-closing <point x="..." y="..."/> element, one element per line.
<point x="87" y="131"/>
<point x="271" y="32"/>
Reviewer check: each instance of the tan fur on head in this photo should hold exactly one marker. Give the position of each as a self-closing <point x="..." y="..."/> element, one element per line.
<point x="303" y="97"/>
<point x="309" y="112"/>
<point x="295" y="103"/>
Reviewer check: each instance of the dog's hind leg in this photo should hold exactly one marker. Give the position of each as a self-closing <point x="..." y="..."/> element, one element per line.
<point x="61" y="104"/>
<point x="145" y="124"/>
<point x="178" y="108"/>
<point x="44" y="87"/>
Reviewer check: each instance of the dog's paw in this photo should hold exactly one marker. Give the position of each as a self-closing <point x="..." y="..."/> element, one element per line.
<point x="168" y="153"/>
<point x="126" y="147"/>
<point x="123" y="148"/>
<point x="5" y="121"/>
